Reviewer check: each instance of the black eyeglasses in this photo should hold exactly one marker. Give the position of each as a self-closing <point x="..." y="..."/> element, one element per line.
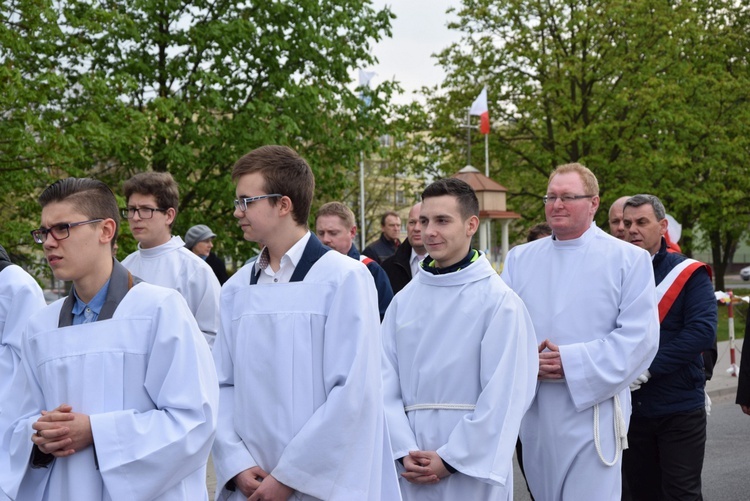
<point x="59" y="231"/>
<point x="143" y="212"/>
<point x="550" y="199"/>
<point x="242" y="203"/>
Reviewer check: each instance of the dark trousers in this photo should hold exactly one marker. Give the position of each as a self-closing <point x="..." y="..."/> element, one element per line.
<point x="665" y="457"/>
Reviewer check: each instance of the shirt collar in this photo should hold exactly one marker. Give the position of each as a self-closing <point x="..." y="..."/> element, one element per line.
<point x="293" y="255"/>
<point x="96" y="303"/>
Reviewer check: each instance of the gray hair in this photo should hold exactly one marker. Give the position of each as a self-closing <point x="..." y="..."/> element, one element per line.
<point x="653" y="201"/>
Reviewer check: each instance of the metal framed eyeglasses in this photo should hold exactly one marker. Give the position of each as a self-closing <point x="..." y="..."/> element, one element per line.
<point x="59" y="231"/>
<point x="242" y="203"/>
<point x="143" y="212"/>
<point x="550" y="199"/>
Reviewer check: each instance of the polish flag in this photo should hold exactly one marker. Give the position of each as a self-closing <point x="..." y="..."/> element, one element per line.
<point x="479" y="108"/>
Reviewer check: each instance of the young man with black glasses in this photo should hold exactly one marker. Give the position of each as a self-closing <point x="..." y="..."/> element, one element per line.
<point x="162" y="259"/>
<point x="118" y="396"/>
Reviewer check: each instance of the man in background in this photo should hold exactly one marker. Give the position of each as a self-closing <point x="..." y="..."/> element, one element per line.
<point x="385" y="246"/>
<point x="334" y="225"/>
<point x="404" y="264"/>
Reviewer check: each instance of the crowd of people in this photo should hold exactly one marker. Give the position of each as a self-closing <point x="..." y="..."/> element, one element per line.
<point x="410" y="371"/>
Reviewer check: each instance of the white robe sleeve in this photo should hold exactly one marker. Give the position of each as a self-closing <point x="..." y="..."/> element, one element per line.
<point x="20" y="298"/>
<point x="401" y="434"/>
<point x="202" y="295"/>
<point x="483" y="442"/>
<point x="596" y="370"/>
<point x="141" y="455"/>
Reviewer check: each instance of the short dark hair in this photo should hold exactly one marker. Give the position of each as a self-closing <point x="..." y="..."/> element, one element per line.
<point x="539" y="231"/>
<point x="91" y="197"/>
<point x="161" y="185"/>
<point x="454" y="187"/>
<point x="284" y="172"/>
<point x="385" y="216"/>
<point x="643" y="199"/>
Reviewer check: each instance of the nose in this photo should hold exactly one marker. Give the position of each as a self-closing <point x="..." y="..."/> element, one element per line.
<point x="136" y="216"/>
<point x="49" y="242"/>
<point x="238" y="213"/>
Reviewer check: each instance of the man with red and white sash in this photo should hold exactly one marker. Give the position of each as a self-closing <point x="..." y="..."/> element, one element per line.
<point x="667" y="434"/>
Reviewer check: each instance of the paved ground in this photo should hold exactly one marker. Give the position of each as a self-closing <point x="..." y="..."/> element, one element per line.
<point x="723" y="383"/>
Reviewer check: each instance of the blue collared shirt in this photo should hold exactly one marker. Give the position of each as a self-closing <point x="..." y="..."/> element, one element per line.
<point x="85" y="313"/>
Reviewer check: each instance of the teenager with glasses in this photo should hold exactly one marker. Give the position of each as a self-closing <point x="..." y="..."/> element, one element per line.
<point x="162" y="259"/>
<point x="117" y="381"/>
<point x="298" y="354"/>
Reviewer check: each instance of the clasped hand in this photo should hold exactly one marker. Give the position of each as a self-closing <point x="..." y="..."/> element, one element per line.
<point x="61" y="432"/>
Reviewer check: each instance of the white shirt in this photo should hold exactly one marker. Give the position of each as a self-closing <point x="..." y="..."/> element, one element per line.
<point x="414" y="262"/>
<point x="287" y="264"/>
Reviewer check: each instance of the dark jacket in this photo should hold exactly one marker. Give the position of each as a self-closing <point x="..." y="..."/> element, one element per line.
<point x="398" y="267"/>
<point x="217" y="264"/>
<point x="380" y="249"/>
<point x="677" y="376"/>
<point x="4" y="258"/>
<point x="743" y="381"/>
<point x="385" y="293"/>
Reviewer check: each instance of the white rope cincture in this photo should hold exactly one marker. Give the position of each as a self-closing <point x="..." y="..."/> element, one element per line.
<point x="621" y="433"/>
<point x="444" y="407"/>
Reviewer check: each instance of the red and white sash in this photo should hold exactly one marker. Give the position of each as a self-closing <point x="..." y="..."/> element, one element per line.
<point x="669" y="288"/>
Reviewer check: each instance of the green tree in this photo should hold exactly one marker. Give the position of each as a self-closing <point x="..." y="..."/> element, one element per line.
<point x="189" y="86"/>
<point x="648" y="94"/>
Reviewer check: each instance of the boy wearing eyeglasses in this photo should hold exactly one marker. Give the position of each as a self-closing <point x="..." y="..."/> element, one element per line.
<point x="118" y="396"/>
<point x="162" y="259"/>
<point x="298" y="354"/>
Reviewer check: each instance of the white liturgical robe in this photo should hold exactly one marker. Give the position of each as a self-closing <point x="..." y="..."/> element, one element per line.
<point x="594" y="297"/>
<point x="20" y="298"/>
<point x="300" y="379"/>
<point x="173" y="265"/>
<point x="459" y="369"/>
<point x="145" y="378"/>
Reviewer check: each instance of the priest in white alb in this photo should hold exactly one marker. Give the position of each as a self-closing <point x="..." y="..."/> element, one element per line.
<point x="593" y="303"/>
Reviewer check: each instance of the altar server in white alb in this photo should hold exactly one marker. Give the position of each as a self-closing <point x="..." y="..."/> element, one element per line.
<point x="460" y="361"/>
<point x="119" y="399"/>
<point x="298" y="354"/>
<point x="20" y="298"/>
<point x="163" y="259"/>
<point x="593" y="303"/>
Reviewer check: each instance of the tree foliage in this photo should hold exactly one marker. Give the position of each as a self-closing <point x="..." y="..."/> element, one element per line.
<point x="188" y="86"/>
<point x="649" y="94"/>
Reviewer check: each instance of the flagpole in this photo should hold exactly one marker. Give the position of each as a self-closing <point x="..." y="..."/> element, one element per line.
<point x="468" y="136"/>
<point x="361" y="200"/>
<point x="486" y="155"/>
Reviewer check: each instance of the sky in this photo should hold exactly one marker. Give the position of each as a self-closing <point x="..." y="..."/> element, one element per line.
<point x="419" y="30"/>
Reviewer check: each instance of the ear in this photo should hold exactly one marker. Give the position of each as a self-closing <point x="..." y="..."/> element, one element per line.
<point x="285" y="206"/>
<point x="663" y="224"/>
<point x="353" y="232"/>
<point x="171" y="214"/>
<point x="594" y="204"/>
<point x="108" y="228"/>
<point x="472" y="225"/>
